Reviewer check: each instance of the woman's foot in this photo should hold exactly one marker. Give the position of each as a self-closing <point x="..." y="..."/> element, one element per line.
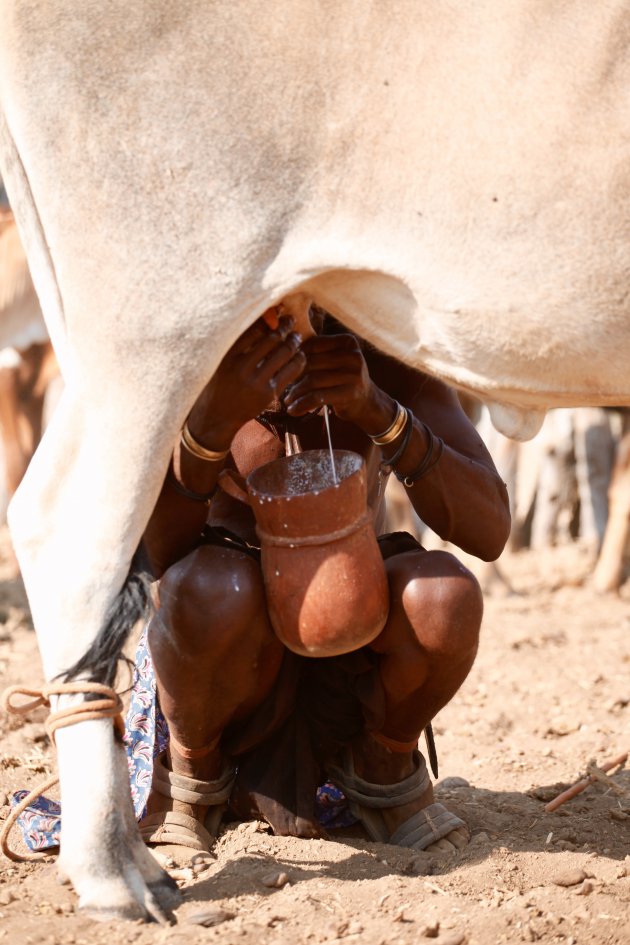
<point x="375" y="763"/>
<point x="184" y="810"/>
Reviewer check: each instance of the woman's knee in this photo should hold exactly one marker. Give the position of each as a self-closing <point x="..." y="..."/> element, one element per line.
<point x="212" y="594"/>
<point x="441" y="600"/>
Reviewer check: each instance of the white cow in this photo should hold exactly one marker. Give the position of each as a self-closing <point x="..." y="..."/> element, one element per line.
<point x="450" y="180"/>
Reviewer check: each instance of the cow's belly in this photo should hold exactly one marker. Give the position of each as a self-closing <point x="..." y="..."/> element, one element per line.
<point x="457" y="202"/>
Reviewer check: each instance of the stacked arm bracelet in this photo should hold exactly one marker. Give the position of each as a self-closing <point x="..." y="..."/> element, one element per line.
<point x="192" y="446"/>
<point x="431" y="459"/>
<point x="388" y="465"/>
<point x="196" y="449"/>
<point x="393" y="430"/>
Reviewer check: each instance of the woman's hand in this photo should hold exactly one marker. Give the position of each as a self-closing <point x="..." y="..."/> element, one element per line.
<point x="336" y="374"/>
<point x="255" y="370"/>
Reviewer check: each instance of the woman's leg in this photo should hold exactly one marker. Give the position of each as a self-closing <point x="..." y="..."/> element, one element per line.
<point x="426" y="650"/>
<point x="216" y="658"/>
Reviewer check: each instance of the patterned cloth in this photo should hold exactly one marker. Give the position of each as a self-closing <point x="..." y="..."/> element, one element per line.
<point x="146" y="736"/>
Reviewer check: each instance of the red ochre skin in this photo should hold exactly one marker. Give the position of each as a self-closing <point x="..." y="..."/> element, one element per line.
<point x="215" y="638"/>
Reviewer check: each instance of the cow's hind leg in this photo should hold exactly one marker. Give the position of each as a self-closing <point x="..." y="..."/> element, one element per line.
<point x="76" y="520"/>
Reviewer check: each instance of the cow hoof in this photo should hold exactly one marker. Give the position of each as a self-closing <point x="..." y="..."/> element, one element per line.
<point x="132" y="913"/>
<point x="128" y="892"/>
<point x="167" y="893"/>
<point x="134" y="901"/>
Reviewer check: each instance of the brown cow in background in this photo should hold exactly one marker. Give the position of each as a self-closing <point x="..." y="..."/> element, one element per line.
<point x="27" y="362"/>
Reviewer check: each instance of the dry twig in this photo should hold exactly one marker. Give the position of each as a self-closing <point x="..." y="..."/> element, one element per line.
<point x="595" y="773"/>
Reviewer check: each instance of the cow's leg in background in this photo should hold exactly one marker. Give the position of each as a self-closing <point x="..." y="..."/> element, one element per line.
<point x="556" y="493"/>
<point x="16" y="457"/>
<point x="609" y="572"/>
<point x="594" y="446"/>
<point x="76" y="521"/>
<point x="24" y="379"/>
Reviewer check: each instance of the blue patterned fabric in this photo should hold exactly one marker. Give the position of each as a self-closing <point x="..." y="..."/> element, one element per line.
<point x="146" y="731"/>
<point x="146" y="736"/>
<point x="40" y="823"/>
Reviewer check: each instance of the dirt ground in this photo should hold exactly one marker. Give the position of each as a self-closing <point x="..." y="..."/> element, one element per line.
<point x="550" y="692"/>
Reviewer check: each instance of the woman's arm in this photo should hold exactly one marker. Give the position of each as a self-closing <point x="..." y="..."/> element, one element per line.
<point x="257" y="367"/>
<point x="461" y="496"/>
<point x="459" y="493"/>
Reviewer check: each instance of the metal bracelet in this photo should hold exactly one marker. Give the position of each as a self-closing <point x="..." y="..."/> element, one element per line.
<point x="195" y="496"/>
<point x="429" y="462"/>
<point x="196" y="449"/>
<point x="393" y="430"/>
<point x="388" y="465"/>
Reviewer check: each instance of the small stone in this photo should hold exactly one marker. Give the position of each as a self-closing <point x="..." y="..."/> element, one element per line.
<point x="621" y="872"/>
<point x="560" y="727"/>
<point x="275" y="880"/>
<point x="432" y="930"/>
<point x="546" y="793"/>
<point x="210" y="917"/>
<point x="4" y="799"/>
<point x="585" y="889"/>
<point x="619" y="814"/>
<point x="254" y="826"/>
<point x="184" y="875"/>
<point x="451" y="938"/>
<point x="569" y="836"/>
<point x="346" y="927"/>
<point x="481" y="837"/>
<point x="7" y="896"/>
<point x="569" y="878"/>
<point x="451" y="784"/>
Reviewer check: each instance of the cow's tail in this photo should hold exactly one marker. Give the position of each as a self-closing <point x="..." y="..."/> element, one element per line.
<point x="100" y="662"/>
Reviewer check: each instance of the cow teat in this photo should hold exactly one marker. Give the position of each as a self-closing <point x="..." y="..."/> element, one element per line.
<point x="298" y="306"/>
<point x="518" y="423"/>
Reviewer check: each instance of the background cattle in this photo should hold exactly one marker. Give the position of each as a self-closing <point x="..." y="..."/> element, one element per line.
<point x="27" y="361"/>
<point x="614" y="559"/>
<point x="569" y="483"/>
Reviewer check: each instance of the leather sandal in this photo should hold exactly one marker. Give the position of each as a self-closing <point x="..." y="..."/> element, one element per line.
<point x="367" y="801"/>
<point x="179" y="829"/>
